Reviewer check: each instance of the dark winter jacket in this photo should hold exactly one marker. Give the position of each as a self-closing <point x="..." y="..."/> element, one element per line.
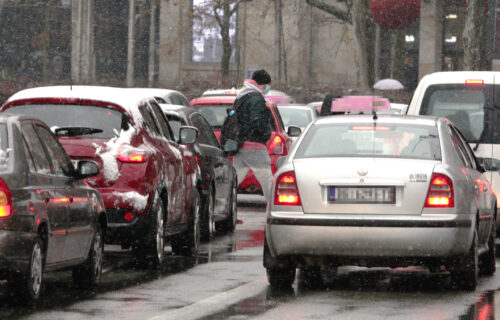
<point x="254" y="119"/>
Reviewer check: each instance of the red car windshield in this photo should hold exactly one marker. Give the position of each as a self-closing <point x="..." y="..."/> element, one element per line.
<point x="215" y="115"/>
<point x="107" y="122"/>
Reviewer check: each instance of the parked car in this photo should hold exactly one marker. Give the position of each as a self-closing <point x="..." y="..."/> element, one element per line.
<point x="213" y="109"/>
<point x="298" y="115"/>
<point x="219" y="182"/>
<point x="149" y="182"/>
<point x="386" y="191"/>
<point x="468" y="99"/>
<point x="165" y="96"/>
<point x="49" y="218"/>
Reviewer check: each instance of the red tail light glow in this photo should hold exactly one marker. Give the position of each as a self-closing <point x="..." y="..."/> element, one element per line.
<point x="440" y="194"/>
<point x="474" y="82"/>
<point x="128" y="153"/>
<point x="277" y="145"/>
<point x="5" y="200"/>
<point x="286" y="191"/>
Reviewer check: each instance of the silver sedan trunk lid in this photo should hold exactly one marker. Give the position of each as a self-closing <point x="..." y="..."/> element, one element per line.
<point x="347" y="185"/>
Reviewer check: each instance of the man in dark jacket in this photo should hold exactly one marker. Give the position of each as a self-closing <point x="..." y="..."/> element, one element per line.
<point x="254" y="121"/>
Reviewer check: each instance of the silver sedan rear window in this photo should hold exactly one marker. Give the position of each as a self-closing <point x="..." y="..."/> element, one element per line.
<point x="369" y="140"/>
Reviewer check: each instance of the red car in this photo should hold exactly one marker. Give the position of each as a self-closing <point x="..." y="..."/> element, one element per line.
<point x="148" y="181"/>
<point x="213" y="108"/>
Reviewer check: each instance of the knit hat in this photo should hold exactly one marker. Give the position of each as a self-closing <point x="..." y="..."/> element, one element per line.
<point x="261" y="77"/>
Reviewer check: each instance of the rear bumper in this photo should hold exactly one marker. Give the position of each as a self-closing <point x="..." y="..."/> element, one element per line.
<point x="368" y="237"/>
<point x="118" y="231"/>
<point x="15" y="251"/>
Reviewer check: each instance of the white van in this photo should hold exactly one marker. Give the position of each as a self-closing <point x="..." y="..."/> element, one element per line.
<point x="471" y="100"/>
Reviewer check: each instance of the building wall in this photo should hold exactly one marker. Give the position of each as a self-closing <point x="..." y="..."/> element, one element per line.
<point x="316" y="48"/>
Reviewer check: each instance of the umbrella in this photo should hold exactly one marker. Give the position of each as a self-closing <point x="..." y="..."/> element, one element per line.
<point x="388" y="84"/>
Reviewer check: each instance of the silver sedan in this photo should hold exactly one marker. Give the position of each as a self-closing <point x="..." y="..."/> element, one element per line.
<point x="390" y="191"/>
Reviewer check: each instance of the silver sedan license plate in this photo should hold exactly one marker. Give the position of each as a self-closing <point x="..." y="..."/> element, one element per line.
<point x="361" y="194"/>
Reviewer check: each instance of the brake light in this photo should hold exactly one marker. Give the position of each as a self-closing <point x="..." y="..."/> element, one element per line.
<point x="5" y="200"/>
<point x="277" y="145"/>
<point x="128" y="153"/>
<point x="475" y="82"/>
<point x="286" y="192"/>
<point x="440" y="194"/>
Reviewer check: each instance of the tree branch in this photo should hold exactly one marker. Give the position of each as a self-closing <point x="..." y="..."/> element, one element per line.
<point x="344" y="15"/>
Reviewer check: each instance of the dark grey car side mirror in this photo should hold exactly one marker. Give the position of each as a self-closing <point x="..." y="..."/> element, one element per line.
<point x="188" y="135"/>
<point x="490" y="164"/>
<point x="86" y="169"/>
<point x="294" y="131"/>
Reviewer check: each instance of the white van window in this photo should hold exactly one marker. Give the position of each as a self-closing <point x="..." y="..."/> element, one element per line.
<point x="465" y="107"/>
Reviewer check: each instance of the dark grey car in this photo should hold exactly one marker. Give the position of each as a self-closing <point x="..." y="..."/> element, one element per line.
<point x="49" y="218"/>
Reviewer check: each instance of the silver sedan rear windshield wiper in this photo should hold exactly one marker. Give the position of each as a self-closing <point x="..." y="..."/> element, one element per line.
<point x="75" y="131"/>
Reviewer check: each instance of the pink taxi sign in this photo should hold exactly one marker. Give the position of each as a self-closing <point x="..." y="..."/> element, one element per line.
<point x="278" y="99"/>
<point x="360" y="104"/>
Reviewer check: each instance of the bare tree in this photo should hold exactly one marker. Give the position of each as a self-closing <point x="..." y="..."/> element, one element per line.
<point x="473" y="34"/>
<point x="221" y="11"/>
<point x="354" y="12"/>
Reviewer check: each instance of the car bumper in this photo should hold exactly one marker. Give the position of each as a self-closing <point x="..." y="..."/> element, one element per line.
<point x="119" y="231"/>
<point x="440" y="236"/>
<point x="15" y="251"/>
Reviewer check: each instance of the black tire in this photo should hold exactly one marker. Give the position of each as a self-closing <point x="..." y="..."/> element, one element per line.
<point x="312" y="277"/>
<point x="152" y="247"/>
<point x="487" y="263"/>
<point x="281" y="277"/>
<point x="27" y="287"/>
<point x="89" y="273"/>
<point x="229" y="224"/>
<point x="187" y="243"/>
<point x="208" y="223"/>
<point x="464" y="272"/>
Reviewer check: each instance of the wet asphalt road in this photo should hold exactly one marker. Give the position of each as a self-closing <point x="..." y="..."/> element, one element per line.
<point x="227" y="281"/>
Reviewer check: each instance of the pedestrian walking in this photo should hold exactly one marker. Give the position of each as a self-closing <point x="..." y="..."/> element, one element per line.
<point x="254" y="121"/>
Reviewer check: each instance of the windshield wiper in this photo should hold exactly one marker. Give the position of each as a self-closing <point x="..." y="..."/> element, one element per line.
<point x="76" y="131"/>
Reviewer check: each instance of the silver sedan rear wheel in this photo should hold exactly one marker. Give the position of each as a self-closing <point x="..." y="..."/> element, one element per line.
<point x="464" y="272"/>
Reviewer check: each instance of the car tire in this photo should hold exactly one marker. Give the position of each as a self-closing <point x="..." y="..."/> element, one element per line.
<point x="464" y="272"/>
<point x="229" y="224"/>
<point x="187" y="243"/>
<point x="27" y="287"/>
<point x="208" y="223"/>
<point x="312" y="277"/>
<point x="281" y="277"/>
<point x="151" y="248"/>
<point x="89" y="273"/>
<point x="487" y="263"/>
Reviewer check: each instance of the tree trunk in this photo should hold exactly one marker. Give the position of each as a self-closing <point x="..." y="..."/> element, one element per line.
<point x="358" y="23"/>
<point x="152" y="44"/>
<point x="277" y="41"/>
<point x="226" y="42"/>
<point x="472" y="34"/>
<point x="397" y="54"/>
<point x="131" y="44"/>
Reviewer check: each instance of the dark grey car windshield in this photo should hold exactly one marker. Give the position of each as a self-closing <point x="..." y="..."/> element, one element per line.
<point x="56" y="116"/>
<point x="368" y="140"/>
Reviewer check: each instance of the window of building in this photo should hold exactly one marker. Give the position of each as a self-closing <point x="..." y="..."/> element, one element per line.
<point x="206" y="38"/>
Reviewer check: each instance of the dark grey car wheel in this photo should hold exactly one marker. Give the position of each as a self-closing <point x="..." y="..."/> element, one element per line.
<point x="89" y="274"/>
<point x="208" y="222"/>
<point x="229" y="224"/>
<point x="27" y="287"/>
